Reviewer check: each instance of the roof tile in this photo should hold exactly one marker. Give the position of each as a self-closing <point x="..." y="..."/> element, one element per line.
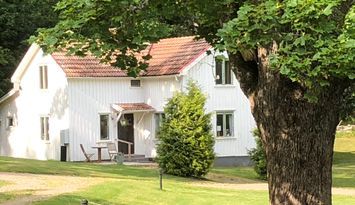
<point x="169" y="56"/>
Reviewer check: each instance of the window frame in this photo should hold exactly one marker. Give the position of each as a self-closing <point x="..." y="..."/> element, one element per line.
<point x="44" y="128"/>
<point x="107" y="127"/>
<point x="8" y="124"/>
<point x="135" y="80"/>
<point x="224" y="124"/>
<point x="43" y="77"/>
<point x="224" y="74"/>
<point x="157" y="124"/>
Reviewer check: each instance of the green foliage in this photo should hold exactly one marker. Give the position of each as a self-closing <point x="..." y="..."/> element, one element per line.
<point x="18" y="20"/>
<point x="107" y="29"/>
<point x="186" y="140"/>
<point x="258" y="156"/>
<point x="313" y="41"/>
<point x="347" y="113"/>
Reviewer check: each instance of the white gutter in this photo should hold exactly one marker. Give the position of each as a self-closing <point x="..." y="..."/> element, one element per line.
<point x="8" y="95"/>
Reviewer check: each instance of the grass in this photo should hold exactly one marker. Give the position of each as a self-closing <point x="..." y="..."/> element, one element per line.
<point x="242" y="172"/>
<point x="143" y="192"/>
<point x="6" y="197"/>
<point x="136" y="185"/>
<point x="344" y="160"/>
<point x="8" y="164"/>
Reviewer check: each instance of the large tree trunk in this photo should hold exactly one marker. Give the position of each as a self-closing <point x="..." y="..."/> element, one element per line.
<point x="298" y="135"/>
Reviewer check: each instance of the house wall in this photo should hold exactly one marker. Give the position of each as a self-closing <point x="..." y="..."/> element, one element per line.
<point x="74" y="105"/>
<point x="88" y="97"/>
<point x="24" y="138"/>
<point x="224" y="98"/>
<point x="157" y="92"/>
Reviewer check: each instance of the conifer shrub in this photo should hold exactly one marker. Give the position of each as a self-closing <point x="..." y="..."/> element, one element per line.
<point x="258" y="156"/>
<point x="185" y="137"/>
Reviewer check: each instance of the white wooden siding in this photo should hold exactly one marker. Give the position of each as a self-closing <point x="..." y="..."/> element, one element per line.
<point x="24" y="140"/>
<point x="225" y="98"/>
<point x="74" y="105"/>
<point x="89" y="97"/>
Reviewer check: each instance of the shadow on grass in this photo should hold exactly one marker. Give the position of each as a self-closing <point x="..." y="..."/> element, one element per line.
<point x="344" y="158"/>
<point x="8" y="164"/>
<point x="344" y="169"/>
<point x="75" y="199"/>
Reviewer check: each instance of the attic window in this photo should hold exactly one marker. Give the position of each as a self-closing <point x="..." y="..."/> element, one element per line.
<point x="223" y="72"/>
<point x="43" y="77"/>
<point x="136" y="83"/>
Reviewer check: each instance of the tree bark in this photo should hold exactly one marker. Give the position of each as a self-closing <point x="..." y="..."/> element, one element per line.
<point x="298" y="135"/>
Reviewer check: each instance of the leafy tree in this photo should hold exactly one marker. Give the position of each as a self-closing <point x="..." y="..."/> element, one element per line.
<point x="186" y="140"/>
<point x="19" y="19"/>
<point x="347" y="113"/>
<point x="294" y="60"/>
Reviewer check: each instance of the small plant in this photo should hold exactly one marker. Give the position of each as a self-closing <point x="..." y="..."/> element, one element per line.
<point x="258" y="156"/>
<point x="186" y="140"/>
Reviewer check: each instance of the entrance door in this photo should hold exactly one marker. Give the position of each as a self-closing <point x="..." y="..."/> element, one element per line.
<point x="125" y="132"/>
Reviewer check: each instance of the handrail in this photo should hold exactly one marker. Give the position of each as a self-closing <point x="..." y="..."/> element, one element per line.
<point x="124" y="141"/>
<point x="129" y="147"/>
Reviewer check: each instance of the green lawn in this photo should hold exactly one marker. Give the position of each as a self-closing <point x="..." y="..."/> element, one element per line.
<point x="344" y="160"/>
<point x="145" y="192"/>
<point x="242" y="172"/>
<point x="136" y="185"/>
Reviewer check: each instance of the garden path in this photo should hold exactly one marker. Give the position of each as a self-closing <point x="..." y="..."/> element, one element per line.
<point x="35" y="187"/>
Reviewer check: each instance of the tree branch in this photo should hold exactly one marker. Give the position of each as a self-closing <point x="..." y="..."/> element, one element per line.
<point x="246" y="73"/>
<point x="341" y="11"/>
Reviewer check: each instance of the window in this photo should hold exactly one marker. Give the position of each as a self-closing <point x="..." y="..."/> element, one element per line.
<point x="136" y="83"/>
<point x="158" y="121"/>
<point x="43" y="77"/>
<point x="10" y="121"/>
<point x="223" y="72"/>
<point x="104" y="128"/>
<point x="44" y="128"/>
<point x="224" y="124"/>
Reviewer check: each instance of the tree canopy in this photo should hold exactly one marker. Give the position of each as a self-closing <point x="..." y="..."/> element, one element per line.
<point x="314" y="31"/>
<point x="19" y="19"/>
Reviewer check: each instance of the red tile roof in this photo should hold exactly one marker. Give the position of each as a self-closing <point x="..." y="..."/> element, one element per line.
<point x="135" y="106"/>
<point x="169" y="56"/>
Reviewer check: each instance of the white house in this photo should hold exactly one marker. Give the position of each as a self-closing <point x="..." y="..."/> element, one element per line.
<point x="60" y="100"/>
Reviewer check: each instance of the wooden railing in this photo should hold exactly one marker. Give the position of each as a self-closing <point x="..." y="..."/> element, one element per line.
<point x="129" y="144"/>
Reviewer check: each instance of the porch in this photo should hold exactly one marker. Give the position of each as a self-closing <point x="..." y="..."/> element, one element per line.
<point x="133" y="130"/>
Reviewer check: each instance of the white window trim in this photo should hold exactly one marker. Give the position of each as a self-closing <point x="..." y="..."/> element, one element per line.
<point x="108" y="127"/>
<point x="223" y="84"/>
<point x="44" y="137"/>
<point x="225" y="112"/>
<point x="47" y="86"/>
<point x="8" y="126"/>
<point x="134" y="87"/>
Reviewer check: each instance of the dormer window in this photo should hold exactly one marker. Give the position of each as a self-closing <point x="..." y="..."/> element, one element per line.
<point x="223" y="72"/>
<point x="43" y="77"/>
<point x="136" y="83"/>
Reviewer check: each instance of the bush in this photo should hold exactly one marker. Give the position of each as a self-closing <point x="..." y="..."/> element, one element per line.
<point x="258" y="156"/>
<point x="186" y="140"/>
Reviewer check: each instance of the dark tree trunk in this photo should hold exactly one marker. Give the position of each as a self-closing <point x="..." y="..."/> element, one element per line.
<point x="298" y="135"/>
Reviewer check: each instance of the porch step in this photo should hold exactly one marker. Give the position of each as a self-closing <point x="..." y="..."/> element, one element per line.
<point x="136" y="158"/>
